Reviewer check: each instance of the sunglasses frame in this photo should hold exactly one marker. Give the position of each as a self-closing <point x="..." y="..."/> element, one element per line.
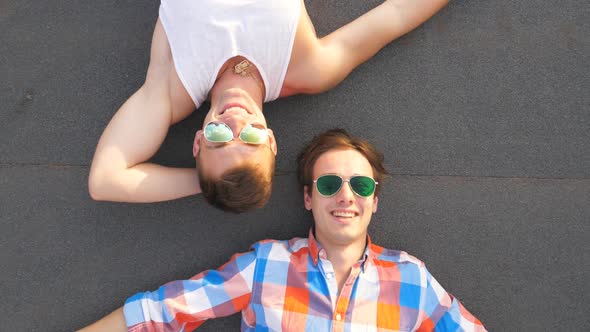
<point x="239" y="135"/>
<point x="315" y="182"/>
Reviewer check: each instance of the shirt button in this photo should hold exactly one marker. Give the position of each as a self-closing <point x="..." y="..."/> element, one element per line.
<point x="329" y="275"/>
<point x="338" y="317"/>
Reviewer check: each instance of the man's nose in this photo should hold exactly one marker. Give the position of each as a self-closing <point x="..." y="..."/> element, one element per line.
<point x="236" y="124"/>
<point x="345" y="195"/>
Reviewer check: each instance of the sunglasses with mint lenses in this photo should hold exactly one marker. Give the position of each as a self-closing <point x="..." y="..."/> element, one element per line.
<point x="331" y="184"/>
<point x="219" y="132"/>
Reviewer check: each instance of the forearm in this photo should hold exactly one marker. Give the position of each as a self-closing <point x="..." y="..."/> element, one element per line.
<point x="144" y="183"/>
<point x="114" y="322"/>
<point x="406" y="15"/>
<point x="366" y="35"/>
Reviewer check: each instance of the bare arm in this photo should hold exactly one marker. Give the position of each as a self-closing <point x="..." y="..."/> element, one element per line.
<point x="114" y="322"/>
<point x="119" y="170"/>
<point x="337" y="54"/>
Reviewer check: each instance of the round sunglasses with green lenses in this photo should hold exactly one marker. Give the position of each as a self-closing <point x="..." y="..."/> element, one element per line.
<point x="219" y="132"/>
<point x="330" y="184"/>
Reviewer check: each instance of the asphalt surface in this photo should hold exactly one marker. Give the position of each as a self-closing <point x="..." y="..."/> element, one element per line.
<point x="483" y="114"/>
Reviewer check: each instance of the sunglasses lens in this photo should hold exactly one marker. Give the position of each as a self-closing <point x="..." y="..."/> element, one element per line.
<point x="362" y="185"/>
<point x="218" y="132"/>
<point x="253" y="135"/>
<point x="328" y="185"/>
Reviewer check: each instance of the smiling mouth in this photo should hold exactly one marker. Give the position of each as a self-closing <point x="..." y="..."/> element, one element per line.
<point x="344" y="214"/>
<point x="235" y="107"/>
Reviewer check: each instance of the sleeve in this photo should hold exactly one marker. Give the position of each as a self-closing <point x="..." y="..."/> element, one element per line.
<point x="183" y="305"/>
<point x="444" y="312"/>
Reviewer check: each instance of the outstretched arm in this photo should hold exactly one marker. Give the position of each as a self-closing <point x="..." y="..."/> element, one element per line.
<point x="168" y="308"/>
<point x="115" y="322"/>
<point x="337" y="54"/>
<point x="119" y="170"/>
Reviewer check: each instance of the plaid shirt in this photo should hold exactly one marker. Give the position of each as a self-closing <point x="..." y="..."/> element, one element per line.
<point x="291" y="286"/>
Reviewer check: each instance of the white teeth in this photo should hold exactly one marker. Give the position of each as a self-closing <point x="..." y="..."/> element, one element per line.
<point x="236" y="109"/>
<point x="342" y="214"/>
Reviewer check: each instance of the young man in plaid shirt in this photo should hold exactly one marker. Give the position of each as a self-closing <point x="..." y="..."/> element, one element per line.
<point x="334" y="280"/>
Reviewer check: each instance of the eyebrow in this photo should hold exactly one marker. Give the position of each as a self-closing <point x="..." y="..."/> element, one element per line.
<point x="215" y="146"/>
<point x="219" y="146"/>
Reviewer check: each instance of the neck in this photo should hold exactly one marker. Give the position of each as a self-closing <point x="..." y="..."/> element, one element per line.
<point x="229" y="79"/>
<point x="343" y="257"/>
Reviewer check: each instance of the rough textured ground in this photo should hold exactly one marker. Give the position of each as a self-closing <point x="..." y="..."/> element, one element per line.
<point x="483" y="114"/>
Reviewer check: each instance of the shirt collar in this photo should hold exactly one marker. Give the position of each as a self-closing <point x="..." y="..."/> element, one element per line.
<point x="369" y="254"/>
<point x="315" y="248"/>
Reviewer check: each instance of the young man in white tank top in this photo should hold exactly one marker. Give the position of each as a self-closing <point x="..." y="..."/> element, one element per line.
<point x="238" y="75"/>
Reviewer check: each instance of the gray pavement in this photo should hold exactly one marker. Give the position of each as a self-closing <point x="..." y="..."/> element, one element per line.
<point x="483" y="114"/>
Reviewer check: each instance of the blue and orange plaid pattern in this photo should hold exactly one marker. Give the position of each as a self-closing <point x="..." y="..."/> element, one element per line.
<point x="291" y="286"/>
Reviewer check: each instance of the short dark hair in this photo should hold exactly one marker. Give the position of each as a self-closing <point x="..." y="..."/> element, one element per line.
<point x="337" y="139"/>
<point x="239" y="189"/>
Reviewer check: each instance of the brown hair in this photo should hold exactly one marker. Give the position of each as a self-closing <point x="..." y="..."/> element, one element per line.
<point x="239" y="189"/>
<point x="337" y="139"/>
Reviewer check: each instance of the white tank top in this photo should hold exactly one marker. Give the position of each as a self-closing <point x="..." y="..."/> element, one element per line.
<point x="204" y="34"/>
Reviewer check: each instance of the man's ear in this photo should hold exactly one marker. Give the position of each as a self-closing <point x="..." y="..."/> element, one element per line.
<point x="375" y="203"/>
<point x="307" y="198"/>
<point x="272" y="141"/>
<point x="197" y="143"/>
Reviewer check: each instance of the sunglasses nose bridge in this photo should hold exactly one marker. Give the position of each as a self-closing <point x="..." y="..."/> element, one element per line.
<point x="229" y="128"/>
<point x="345" y="191"/>
<point x="235" y="125"/>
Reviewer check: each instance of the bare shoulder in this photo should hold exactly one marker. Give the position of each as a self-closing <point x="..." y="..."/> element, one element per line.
<point x="162" y="76"/>
<point x="315" y="66"/>
<point x="297" y="80"/>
